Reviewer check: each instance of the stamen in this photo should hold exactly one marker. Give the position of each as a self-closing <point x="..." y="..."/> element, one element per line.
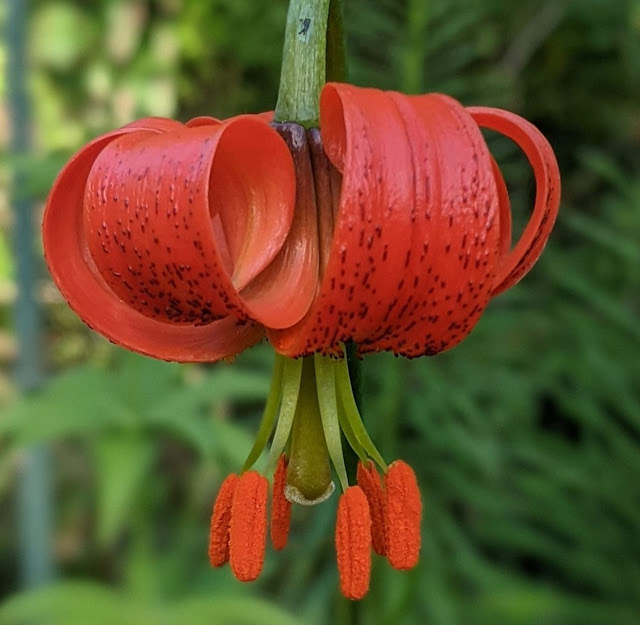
<point x="353" y="543"/>
<point x="370" y="482"/>
<point x="280" y="507"/>
<point x="220" y="518"/>
<point x="327" y="400"/>
<point x="348" y="432"/>
<point x="248" y="527"/>
<point x="270" y="413"/>
<point x="351" y="412"/>
<point x="403" y="515"/>
<point x="292" y="374"/>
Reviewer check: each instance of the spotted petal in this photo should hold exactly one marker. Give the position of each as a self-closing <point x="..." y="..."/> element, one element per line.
<point x="152" y="231"/>
<point x="417" y="232"/>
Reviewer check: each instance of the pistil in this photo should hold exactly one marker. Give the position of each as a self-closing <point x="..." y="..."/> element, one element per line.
<point x="309" y="472"/>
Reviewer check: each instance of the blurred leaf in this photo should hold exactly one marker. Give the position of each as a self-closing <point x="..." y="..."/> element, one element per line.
<point x="62" y="34"/>
<point x="122" y="467"/>
<point x="81" y="602"/>
<point x="75" y="402"/>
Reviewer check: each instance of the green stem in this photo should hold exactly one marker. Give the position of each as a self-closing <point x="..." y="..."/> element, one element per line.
<point x="413" y="77"/>
<point x="336" y="48"/>
<point x="303" y="63"/>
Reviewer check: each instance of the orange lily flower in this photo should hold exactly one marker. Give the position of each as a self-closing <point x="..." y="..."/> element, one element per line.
<point x="390" y="227"/>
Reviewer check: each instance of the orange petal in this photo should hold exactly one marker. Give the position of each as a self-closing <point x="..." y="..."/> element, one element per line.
<point x="163" y="211"/>
<point x="403" y="516"/>
<point x="77" y="277"/>
<point x="504" y="206"/>
<point x="203" y="120"/>
<point x="248" y="528"/>
<point x="518" y="262"/>
<point x="280" y="507"/>
<point x="220" y="519"/>
<point x="290" y="282"/>
<point x="370" y="482"/>
<point x="417" y="233"/>
<point x="353" y="543"/>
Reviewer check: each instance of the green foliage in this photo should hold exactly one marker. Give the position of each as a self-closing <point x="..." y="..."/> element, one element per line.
<point x="74" y="602"/>
<point x="525" y="438"/>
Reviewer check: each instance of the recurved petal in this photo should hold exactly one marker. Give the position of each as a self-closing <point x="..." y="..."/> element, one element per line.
<point x="203" y="120"/>
<point x="417" y="229"/>
<point x="288" y="285"/>
<point x="74" y="271"/>
<point x="516" y="263"/>
<point x="152" y="124"/>
<point x="179" y="222"/>
<point x="455" y="233"/>
<point x="359" y="128"/>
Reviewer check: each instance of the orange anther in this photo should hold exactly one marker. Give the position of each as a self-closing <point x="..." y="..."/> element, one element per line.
<point x="370" y="482"/>
<point x="220" y="518"/>
<point x="280" y="506"/>
<point x="353" y="543"/>
<point x="248" y="528"/>
<point x="403" y="515"/>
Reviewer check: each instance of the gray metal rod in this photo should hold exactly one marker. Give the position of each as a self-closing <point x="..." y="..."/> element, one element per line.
<point x="34" y="496"/>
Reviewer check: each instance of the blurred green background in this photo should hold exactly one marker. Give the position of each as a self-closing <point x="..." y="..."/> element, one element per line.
<point x="525" y="438"/>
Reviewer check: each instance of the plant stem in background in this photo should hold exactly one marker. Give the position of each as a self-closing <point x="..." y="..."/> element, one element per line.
<point x="413" y="74"/>
<point x="336" y="47"/>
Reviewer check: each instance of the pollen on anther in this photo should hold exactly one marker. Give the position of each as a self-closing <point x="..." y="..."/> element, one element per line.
<point x="220" y="519"/>
<point x="353" y="543"/>
<point x="280" y="507"/>
<point x="403" y="514"/>
<point x="248" y="526"/>
<point x="370" y="482"/>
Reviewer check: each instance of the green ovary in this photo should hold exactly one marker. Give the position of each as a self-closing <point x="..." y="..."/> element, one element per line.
<point x="309" y="470"/>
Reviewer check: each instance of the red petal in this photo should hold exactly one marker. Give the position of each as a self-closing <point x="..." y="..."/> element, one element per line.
<point x="289" y="284"/>
<point x="149" y="206"/>
<point x="504" y="205"/>
<point x="417" y="232"/>
<point x="203" y="120"/>
<point x="152" y="124"/>
<point x="74" y="272"/>
<point x="523" y="256"/>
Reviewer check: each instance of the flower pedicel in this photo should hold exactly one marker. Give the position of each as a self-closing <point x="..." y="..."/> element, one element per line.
<point x="390" y="227"/>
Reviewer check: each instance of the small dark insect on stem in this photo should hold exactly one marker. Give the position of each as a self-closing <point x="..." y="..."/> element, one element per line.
<point x="304" y="29"/>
